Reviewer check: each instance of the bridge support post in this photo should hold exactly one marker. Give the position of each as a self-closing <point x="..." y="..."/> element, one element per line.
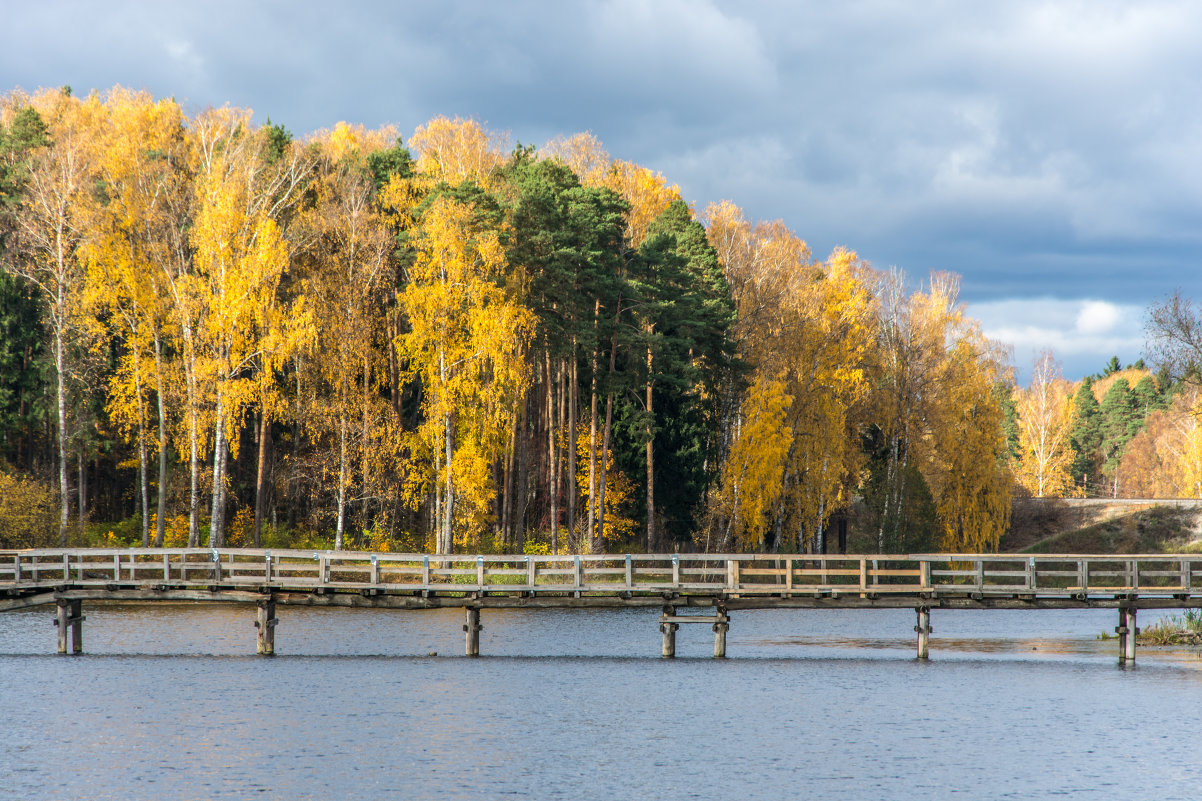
<point x="69" y="617"/>
<point x="472" y="627"/>
<point x="924" y="632"/>
<point x="721" y="626"/>
<point x="265" y="622"/>
<point x="1127" y="631"/>
<point x="669" y="631"/>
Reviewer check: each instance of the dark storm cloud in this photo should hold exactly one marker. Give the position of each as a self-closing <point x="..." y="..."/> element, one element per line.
<point x="1040" y="149"/>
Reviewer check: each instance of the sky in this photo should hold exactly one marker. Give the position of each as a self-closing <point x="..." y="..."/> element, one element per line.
<point x="1048" y="152"/>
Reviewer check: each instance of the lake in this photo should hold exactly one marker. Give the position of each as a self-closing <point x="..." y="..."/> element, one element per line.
<point x="169" y="702"/>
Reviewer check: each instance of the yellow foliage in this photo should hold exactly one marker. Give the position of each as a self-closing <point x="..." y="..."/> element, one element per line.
<point x="457" y="150"/>
<point x="647" y="192"/>
<point x="619" y="490"/>
<point x="754" y="471"/>
<point x="583" y="154"/>
<point x="809" y="330"/>
<point x="1045" y="418"/>
<point x="175" y="532"/>
<point x="466" y="342"/>
<point x="28" y="515"/>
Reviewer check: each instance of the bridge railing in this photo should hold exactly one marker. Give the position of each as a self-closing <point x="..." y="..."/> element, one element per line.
<point x="733" y="574"/>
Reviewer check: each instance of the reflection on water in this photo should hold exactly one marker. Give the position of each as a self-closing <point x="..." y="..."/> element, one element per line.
<point x="169" y="702"/>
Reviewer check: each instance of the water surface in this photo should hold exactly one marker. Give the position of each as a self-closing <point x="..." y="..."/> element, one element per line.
<point x="169" y="702"/>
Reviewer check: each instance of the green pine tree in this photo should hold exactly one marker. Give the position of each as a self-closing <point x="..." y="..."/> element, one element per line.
<point x="1086" y="437"/>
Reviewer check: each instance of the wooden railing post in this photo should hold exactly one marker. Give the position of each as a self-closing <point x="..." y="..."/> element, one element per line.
<point x="924" y="574"/>
<point x="530" y="571"/>
<point x="1031" y="574"/>
<point x="480" y="572"/>
<point x="676" y="571"/>
<point x="629" y="572"/>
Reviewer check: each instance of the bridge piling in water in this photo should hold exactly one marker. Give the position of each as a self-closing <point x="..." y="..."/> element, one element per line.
<point x="1127" y="631"/>
<point x="265" y="622"/>
<point x="473" y="628"/>
<point x="668" y="627"/>
<point x="924" y="631"/>
<point x="721" y="626"/>
<point x="70" y="617"/>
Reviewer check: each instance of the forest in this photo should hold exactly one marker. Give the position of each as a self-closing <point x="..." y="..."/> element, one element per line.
<point x="216" y="333"/>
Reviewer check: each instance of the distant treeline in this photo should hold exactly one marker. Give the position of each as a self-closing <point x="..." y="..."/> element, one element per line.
<point x="215" y="332"/>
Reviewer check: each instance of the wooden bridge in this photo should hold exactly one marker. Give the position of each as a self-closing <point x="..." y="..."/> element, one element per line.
<point x="713" y="585"/>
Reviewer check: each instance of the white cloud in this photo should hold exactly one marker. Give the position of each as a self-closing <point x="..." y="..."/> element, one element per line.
<point x="1097" y="317"/>
<point x="1082" y="333"/>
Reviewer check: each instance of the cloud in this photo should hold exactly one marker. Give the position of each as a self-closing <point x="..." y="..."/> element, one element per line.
<point x="1097" y="317"/>
<point x="1082" y="333"/>
<point x="1034" y="147"/>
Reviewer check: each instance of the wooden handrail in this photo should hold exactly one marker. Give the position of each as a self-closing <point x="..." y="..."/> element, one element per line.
<point x="924" y="575"/>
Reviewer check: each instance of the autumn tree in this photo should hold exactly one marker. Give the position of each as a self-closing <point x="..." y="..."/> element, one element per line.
<point x="808" y="331"/>
<point x="349" y="283"/>
<point x="466" y="344"/>
<point x="1044" y="417"/>
<point x="240" y="255"/>
<point x="48" y="232"/>
<point x="125" y="256"/>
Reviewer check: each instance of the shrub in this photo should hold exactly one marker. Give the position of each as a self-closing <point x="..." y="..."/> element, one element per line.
<point x="28" y="517"/>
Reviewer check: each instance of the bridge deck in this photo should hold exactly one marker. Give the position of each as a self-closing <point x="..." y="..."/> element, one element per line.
<point x="721" y="582"/>
<point x="734" y="580"/>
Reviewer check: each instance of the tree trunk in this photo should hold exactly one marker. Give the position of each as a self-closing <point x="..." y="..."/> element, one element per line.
<point x="572" y="457"/>
<point x="446" y="541"/>
<point x="650" y="461"/>
<point x="561" y="461"/>
<point x="364" y="509"/>
<point x="261" y="477"/>
<point x="160" y="527"/>
<point x="83" y="487"/>
<point x="216" y="524"/>
<point x="609" y="416"/>
<point x="552" y="477"/>
<point x="193" y="424"/>
<point x="143" y="478"/>
<point x="64" y="489"/>
<point x="341" y="481"/>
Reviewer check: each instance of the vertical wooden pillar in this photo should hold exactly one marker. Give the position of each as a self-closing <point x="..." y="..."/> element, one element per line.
<point x="265" y="622"/>
<point x="1127" y="630"/>
<point x="70" y="617"/>
<point x="924" y="632"/>
<point x="721" y="626"/>
<point x="472" y="627"/>
<point x="669" y="631"/>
